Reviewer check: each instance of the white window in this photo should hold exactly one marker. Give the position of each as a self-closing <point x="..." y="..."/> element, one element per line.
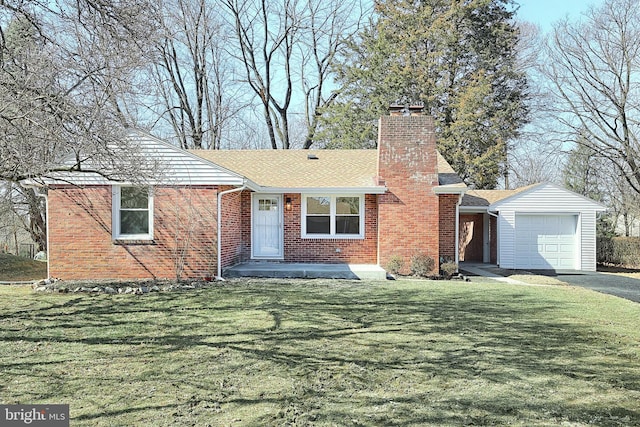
<point x="333" y="216"/>
<point x="132" y="213"/>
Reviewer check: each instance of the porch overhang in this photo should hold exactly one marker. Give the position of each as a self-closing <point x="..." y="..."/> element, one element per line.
<point x="474" y="209"/>
<point x="451" y="189"/>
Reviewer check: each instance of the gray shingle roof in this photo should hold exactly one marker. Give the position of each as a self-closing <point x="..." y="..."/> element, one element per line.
<point x="330" y="168"/>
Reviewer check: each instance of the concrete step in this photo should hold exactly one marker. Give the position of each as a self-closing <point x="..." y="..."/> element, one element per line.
<point x="306" y="271"/>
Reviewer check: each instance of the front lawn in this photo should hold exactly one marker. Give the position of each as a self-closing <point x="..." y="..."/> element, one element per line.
<point x="326" y="353"/>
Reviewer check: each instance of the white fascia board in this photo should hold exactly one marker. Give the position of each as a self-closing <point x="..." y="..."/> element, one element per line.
<point x="443" y="189"/>
<point x="86" y="179"/>
<point x="323" y="190"/>
<point x="32" y="183"/>
<point x="474" y="209"/>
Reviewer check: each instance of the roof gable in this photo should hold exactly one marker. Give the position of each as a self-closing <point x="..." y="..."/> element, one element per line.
<point x="546" y="197"/>
<point x="180" y="167"/>
<point x="167" y="164"/>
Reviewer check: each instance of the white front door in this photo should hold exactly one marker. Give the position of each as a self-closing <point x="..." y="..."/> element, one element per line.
<point x="267" y="230"/>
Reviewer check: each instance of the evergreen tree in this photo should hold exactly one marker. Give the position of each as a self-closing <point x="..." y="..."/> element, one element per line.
<point x="455" y="57"/>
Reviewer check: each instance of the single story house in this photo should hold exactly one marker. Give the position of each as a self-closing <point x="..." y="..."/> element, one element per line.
<point x="211" y="210"/>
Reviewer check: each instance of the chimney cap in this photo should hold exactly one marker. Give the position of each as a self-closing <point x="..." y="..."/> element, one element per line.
<point x="407" y="109"/>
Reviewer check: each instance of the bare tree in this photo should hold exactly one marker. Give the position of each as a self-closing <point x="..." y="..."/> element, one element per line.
<point x="12" y="220"/>
<point x="537" y="155"/>
<point x="328" y="25"/>
<point x="59" y="88"/>
<point x="266" y="33"/>
<point x="594" y="71"/>
<point x="532" y="166"/>
<point x="293" y="41"/>
<point x="624" y="203"/>
<point x="24" y="209"/>
<point x="194" y="74"/>
<point x="66" y="73"/>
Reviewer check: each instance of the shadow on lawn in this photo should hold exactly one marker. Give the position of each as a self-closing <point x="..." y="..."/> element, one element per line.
<point x="389" y="356"/>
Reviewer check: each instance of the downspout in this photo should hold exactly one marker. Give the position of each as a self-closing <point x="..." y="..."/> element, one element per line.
<point x="46" y="212"/>
<point x="233" y="190"/>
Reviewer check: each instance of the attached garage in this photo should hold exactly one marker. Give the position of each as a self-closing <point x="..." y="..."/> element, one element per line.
<point x="539" y="227"/>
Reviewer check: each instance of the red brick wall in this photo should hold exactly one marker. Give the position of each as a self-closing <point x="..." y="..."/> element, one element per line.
<point x="408" y="215"/>
<point x="297" y="249"/>
<point x="81" y="244"/>
<point x="448" y="204"/>
<point x="232" y="227"/>
<point x="353" y="251"/>
<point x="245" y="254"/>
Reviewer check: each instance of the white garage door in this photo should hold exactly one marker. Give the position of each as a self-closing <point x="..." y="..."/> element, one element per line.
<point x="546" y="241"/>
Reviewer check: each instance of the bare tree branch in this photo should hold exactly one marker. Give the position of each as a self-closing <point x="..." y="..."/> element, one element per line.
<point x="595" y="74"/>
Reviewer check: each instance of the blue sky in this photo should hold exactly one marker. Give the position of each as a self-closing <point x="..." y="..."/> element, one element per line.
<point x="546" y="12"/>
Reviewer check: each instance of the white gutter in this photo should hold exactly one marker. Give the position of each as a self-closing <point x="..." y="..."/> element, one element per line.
<point x="233" y="190"/>
<point x="323" y="190"/>
<point x="46" y="212"/>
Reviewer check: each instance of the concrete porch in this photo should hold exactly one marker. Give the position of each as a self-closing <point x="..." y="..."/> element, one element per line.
<point x="306" y="271"/>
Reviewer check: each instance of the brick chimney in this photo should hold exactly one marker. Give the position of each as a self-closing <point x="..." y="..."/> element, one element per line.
<point x="407" y="162"/>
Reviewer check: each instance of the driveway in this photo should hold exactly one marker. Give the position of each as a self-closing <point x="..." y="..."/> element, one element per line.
<point x="613" y="284"/>
<point x="607" y="283"/>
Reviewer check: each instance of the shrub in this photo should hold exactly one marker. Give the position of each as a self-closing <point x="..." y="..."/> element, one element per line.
<point x="448" y="269"/>
<point x="623" y="251"/>
<point x="395" y="264"/>
<point x="422" y="265"/>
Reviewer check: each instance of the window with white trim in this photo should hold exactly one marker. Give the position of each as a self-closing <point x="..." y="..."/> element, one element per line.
<point x="333" y="216"/>
<point x="132" y="213"/>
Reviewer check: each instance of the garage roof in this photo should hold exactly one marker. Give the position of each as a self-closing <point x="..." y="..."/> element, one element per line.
<point x="489" y="197"/>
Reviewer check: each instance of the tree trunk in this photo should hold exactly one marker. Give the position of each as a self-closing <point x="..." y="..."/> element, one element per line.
<point x="37" y="226"/>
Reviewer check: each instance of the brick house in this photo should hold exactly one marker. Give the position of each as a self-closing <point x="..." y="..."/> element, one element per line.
<point x="213" y="210"/>
<point x="287" y="206"/>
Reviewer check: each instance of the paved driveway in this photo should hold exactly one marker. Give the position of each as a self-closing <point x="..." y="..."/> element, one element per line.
<point x="613" y="284"/>
<point x="621" y="286"/>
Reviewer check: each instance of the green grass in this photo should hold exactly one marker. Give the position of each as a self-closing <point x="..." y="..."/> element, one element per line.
<point x="326" y="353"/>
<point x="13" y="269"/>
